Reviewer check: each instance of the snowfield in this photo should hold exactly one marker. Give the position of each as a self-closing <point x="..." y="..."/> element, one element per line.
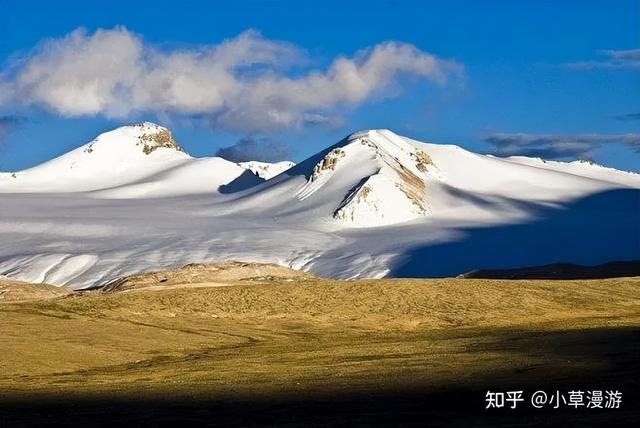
<point x="375" y="204"/>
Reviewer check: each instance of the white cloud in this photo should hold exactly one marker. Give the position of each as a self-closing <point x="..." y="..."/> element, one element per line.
<point x="240" y="84"/>
<point x="81" y="74"/>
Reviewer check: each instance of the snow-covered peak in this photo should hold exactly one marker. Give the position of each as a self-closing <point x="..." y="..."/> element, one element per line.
<point x="113" y="158"/>
<point x="374" y="177"/>
<point x="390" y="149"/>
<point x="396" y="191"/>
<point x="267" y="170"/>
<point x="142" y="138"/>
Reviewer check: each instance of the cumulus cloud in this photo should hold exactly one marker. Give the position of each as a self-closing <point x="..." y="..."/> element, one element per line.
<point x="557" y="146"/>
<point x="629" y="58"/>
<point x="260" y="149"/>
<point x="242" y="84"/>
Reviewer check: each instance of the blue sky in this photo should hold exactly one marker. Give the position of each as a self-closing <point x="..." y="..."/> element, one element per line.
<point x="559" y="78"/>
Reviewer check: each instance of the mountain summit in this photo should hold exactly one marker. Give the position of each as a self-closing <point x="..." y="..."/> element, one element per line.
<point x="391" y="178"/>
<point x="114" y="158"/>
<point x="141" y="160"/>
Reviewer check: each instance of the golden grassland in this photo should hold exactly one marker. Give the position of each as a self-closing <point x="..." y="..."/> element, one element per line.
<point x="310" y="337"/>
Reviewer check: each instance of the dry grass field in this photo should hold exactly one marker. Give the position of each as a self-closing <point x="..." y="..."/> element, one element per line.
<point x="300" y="350"/>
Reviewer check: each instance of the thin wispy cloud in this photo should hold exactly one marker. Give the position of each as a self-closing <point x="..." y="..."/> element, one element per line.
<point x="622" y="59"/>
<point x="627" y="117"/>
<point x="581" y="146"/>
<point x="241" y="84"/>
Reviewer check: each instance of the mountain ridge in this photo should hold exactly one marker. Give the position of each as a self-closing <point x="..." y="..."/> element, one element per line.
<point x="125" y="162"/>
<point x="374" y="204"/>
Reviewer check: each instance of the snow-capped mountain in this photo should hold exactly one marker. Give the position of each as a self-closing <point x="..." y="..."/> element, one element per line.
<point x="371" y="178"/>
<point x="374" y="204"/>
<point x="393" y="192"/>
<point x="141" y="160"/>
<point x="376" y="178"/>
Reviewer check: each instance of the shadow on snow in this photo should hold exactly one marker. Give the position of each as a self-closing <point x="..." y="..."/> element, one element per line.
<point x="595" y="229"/>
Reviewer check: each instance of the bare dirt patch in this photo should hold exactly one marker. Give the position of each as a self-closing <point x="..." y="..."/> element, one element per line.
<point x="200" y="273"/>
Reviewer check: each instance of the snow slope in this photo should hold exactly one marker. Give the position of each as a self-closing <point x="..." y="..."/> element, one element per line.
<point x="582" y="168"/>
<point x="374" y="204"/>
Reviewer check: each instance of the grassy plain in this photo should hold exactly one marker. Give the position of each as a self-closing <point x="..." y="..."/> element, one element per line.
<point x="309" y="351"/>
